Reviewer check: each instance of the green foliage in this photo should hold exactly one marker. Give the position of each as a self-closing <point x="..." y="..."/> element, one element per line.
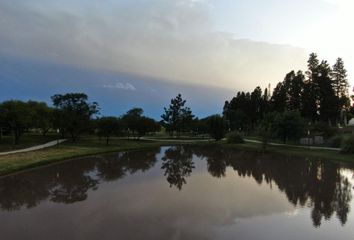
<point x="335" y="141"/>
<point x="108" y="126"/>
<point x="146" y="125"/>
<point x="322" y="128"/>
<point x="16" y="117"/>
<point x="234" y="137"/>
<point x="73" y="113"/>
<point x="131" y="120"/>
<point x="216" y="127"/>
<point x="289" y="125"/>
<point x="245" y="109"/>
<point x="137" y="124"/>
<point x="177" y="117"/>
<point x="266" y="129"/>
<point x="320" y="95"/>
<point x="42" y="116"/>
<point x="348" y="145"/>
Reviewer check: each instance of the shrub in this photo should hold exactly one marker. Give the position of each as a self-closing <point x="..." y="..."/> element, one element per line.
<point x="234" y="137"/>
<point x="348" y="145"/>
<point x="324" y="129"/>
<point x="335" y="142"/>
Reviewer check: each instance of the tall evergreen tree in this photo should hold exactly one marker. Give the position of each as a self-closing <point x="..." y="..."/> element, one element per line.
<point x="339" y="78"/>
<point x="279" y="98"/>
<point x="340" y="87"/>
<point x="176" y="115"/>
<point x="296" y="91"/>
<point x="325" y="94"/>
<point x="309" y="98"/>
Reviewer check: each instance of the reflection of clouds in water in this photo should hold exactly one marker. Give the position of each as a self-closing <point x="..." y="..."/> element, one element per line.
<point x="348" y="173"/>
<point x="292" y="213"/>
<point x="226" y="190"/>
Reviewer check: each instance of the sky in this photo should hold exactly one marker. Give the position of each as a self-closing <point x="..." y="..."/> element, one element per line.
<point x="141" y="53"/>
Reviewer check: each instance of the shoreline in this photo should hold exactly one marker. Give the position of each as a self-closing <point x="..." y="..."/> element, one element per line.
<point x="15" y="163"/>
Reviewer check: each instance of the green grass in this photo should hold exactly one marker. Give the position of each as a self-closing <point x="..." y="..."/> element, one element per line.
<point x="16" y="162"/>
<point x="27" y="140"/>
<point x="295" y="151"/>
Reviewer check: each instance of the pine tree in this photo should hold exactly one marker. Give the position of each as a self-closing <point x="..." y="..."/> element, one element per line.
<point x="325" y="94"/>
<point x="340" y="85"/>
<point x="310" y="93"/>
<point x="295" y="92"/>
<point x="176" y="115"/>
<point x="339" y="79"/>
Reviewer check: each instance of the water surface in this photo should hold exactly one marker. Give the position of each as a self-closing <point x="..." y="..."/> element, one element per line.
<point x="180" y="193"/>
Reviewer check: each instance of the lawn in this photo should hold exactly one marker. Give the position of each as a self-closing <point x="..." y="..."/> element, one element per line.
<point x="90" y="146"/>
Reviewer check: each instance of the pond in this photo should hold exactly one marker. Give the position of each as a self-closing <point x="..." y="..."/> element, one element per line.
<point x="180" y="193"/>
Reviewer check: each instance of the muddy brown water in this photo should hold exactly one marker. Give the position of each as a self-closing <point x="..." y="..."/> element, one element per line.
<point x="180" y="193"/>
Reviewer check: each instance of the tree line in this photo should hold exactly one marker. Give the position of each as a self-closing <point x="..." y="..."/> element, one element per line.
<point x="318" y="98"/>
<point x="71" y="115"/>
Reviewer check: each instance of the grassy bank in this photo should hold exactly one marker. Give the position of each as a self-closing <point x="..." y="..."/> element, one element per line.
<point x="92" y="146"/>
<point x="16" y="162"/>
<point x="294" y="151"/>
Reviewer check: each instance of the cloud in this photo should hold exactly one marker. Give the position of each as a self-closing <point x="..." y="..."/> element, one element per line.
<point x="173" y="41"/>
<point x="119" y="85"/>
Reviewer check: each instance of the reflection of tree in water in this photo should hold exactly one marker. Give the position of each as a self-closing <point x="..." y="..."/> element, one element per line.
<point x="317" y="183"/>
<point x="216" y="167"/>
<point x="117" y="166"/>
<point x="69" y="182"/>
<point x="178" y="164"/>
<point x="72" y="185"/>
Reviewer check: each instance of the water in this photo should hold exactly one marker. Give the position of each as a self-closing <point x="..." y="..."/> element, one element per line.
<point x="180" y="193"/>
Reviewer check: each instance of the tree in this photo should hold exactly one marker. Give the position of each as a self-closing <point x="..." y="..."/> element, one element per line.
<point x="73" y="113"/>
<point x="326" y="99"/>
<point x="266" y="129"/>
<point x="216" y="127"/>
<point x="16" y="116"/>
<point x="310" y="94"/>
<point x="146" y="125"/>
<point x="176" y="116"/>
<point x="339" y="78"/>
<point x="279" y="98"/>
<point x="238" y="112"/>
<point x="42" y="116"/>
<point x="289" y="125"/>
<point x="139" y="124"/>
<point x="108" y="126"/>
<point x="295" y="91"/>
<point x="2" y="122"/>
<point x="256" y="106"/>
<point x="131" y="119"/>
<point x="340" y="86"/>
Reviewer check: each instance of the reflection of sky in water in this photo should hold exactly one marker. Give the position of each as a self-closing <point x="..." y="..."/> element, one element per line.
<point x="248" y="198"/>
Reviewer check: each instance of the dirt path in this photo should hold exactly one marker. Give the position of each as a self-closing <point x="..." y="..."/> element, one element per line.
<point x="34" y="148"/>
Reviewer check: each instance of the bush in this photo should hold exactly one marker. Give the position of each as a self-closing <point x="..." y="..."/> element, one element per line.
<point x="348" y="145"/>
<point x="335" y="142"/>
<point x="234" y="137"/>
<point x="323" y="129"/>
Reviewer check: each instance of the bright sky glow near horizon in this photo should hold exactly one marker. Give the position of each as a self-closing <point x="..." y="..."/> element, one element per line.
<point x="222" y="45"/>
